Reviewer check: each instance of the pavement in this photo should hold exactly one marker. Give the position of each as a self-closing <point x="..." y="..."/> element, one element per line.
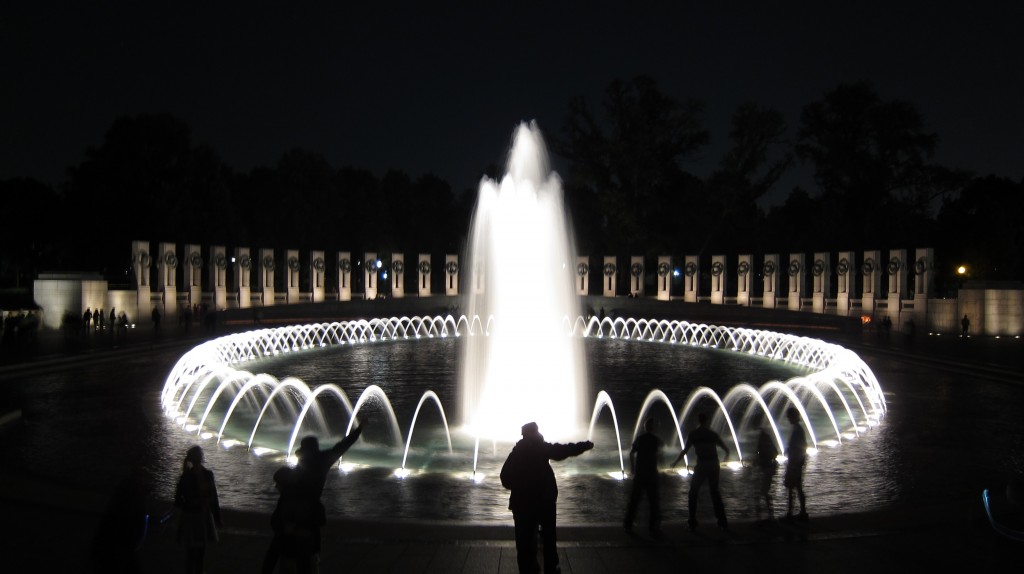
<point x="51" y="527"/>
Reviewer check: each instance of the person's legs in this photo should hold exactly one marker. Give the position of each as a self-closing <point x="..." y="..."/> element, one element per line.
<point x="654" y="498"/>
<point x="547" y="532"/>
<point x="634" y="501"/>
<point x="716" y="497"/>
<point x="526" y="541"/>
<point x="699" y="475"/>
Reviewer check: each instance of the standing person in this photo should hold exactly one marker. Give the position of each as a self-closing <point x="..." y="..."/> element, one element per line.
<point x="196" y="497"/>
<point x="643" y="464"/>
<point x="527" y="473"/>
<point x="796" y="455"/>
<point x="767" y="465"/>
<point x="302" y="512"/>
<point x="965" y="325"/>
<point x="156" y="318"/>
<point x="705" y="443"/>
<point x="87" y="318"/>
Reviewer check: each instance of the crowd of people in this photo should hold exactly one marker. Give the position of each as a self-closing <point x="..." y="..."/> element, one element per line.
<point x="299" y="516"/>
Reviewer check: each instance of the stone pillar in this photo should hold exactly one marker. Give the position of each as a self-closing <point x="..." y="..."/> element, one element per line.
<point x="291" y="275"/>
<point x="821" y="274"/>
<point x="664" y="278"/>
<point x="611" y="276"/>
<point x="636" y="276"/>
<point x="194" y="273"/>
<point x="219" y="277"/>
<point x="871" y="269"/>
<point x="924" y="284"/>
<point x="844" y="283"/>
<point x="477" y="276"/>
<point x="691" y="278"/>
<point x="243" y="274"/>
<point x="398" y="275"/>
<point x="370" y="275"/>
<point x="582" y="275"/>
<point x="718" y="279"/>
<point x="743" y="285"/>
<point x="896" y="291"/>
<point x="167" y="269"/>
<point x="423" y="267"/>
<point x="795" y="269"/>
<point x="267" y="268"/>
<point x="141" y="264"/>
<point x="770" y="271"/>
<point x="344" y="276"/>
<point x="317" y="276"/>
<point x="451" y="272"/>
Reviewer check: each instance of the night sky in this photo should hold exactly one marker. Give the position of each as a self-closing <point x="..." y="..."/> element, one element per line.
<point x="439" y="86"/>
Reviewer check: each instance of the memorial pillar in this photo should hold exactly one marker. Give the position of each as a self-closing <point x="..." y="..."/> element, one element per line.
<point x="718" y="279"/>
<point x="611" y="276"/>
<point x="743" y="285"/>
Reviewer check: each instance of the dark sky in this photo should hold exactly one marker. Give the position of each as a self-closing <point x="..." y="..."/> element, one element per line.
<point x="439" y="86"/>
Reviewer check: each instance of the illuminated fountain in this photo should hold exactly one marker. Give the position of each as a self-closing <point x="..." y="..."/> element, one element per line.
<point x="521" y="359"/>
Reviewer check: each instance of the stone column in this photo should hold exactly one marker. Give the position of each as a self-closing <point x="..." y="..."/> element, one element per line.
<point x="423" y="267"/>
<point x="691" y="278"/>
<point x="292" y="269"/>
<point x="718" y="279"/>
<point x="924" y="284"/>
<point x="451" y="273"/>
<point x="219" y="277"/>
<point x="267" y="269"/>
<point x="795" y="270"/>
<point x="141" y="263"/>
<point x="611" y="276"/>
<point x="664" y="278"/>
<point x="398" y="275"/>
<point x="317" y="276"/>
<point x="243" y="274"/>
<point x="845" y="270"/>
<point x="770" y="271"/>
<point x="370" y="275"/>
<point x="194" y="273"/>
<point x="821" y="273"/>
<point x="896" y="291"/>
<point x="743" y="284"/>
<point x="582" y="275"/>
<point x="344" y="276"/>
<point x="167" y="269"/>
<point x="636" y="276"/>
<point x="871" y="269"/>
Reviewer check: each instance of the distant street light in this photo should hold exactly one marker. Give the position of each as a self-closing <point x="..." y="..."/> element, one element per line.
<point x="962" y="270"/>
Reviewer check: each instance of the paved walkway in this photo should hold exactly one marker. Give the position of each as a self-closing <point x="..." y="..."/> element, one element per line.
<point x="51" y="526"/>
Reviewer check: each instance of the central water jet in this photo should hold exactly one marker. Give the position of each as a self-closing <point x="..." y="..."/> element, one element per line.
<point x="521" y="260"/>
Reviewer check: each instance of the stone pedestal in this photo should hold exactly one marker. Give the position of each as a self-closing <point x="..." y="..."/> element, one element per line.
<point x="398" y="275"/>
<point x="582" y="275"/>
<point x="718" y="279"/>
<point x="821" y="274"/>
<point x="167" y="270"/>
<point x="744" y="266"/>
<point x="770" y="272"/>
<point x="317" y="276"/>
<point x="691" y="278"/>
<point x="795" y="291"/>
<point x="845" y="273"/>
<point x="871" y="270"/>
<point x="451" y="274"/>
<point x="193" y="273"/>
<point x="664" y="277"/>
<point x="219" y="277"/>
<point x="423" y="268"/>
<point x="243" y="277"/>
<point x="370" y="275"/>
<point x="610" y="272"/>
<point x="636" y="276"/>
<point x="142" y="263"/>
<point x="293" y="266"/>
<point x="344" y="276"/>
<point x="268" y="266"/>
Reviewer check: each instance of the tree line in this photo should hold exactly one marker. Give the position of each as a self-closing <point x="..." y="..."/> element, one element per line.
<point x="630" y="189"/>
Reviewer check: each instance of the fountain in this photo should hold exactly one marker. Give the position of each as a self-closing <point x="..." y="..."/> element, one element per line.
<point x="521" y="357"/>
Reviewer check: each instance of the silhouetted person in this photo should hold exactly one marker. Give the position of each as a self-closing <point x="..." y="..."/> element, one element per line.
<point x="156" y="318"/>
<point x="113" y="321"/>
<point x="199" y="516"/>
<point x="87" y="318"/>
<point x="301" y="514"/>
<point x="767" y="466"/>
<point x="643" y="463"/>
<point x="705" y="443"/>
<point x="123" y="526"/>
<point x="527" y="473"/>
<point x="796" y="455"/>
<point x="886" y="327"/>
<point x="965" y="326"/>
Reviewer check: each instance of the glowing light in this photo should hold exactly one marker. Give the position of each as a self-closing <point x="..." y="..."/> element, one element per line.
<point x="478" y="477"/>
<point x="261" y="451"/>
<point x="734" y="465"/>
<point x="402" y="472"/>
<point x="617" y="475"/>
<point x="829" y="443"/>
<point x="231" y="443"/>
<point x="346" y="467"/>
<point x="961" y="270"/>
